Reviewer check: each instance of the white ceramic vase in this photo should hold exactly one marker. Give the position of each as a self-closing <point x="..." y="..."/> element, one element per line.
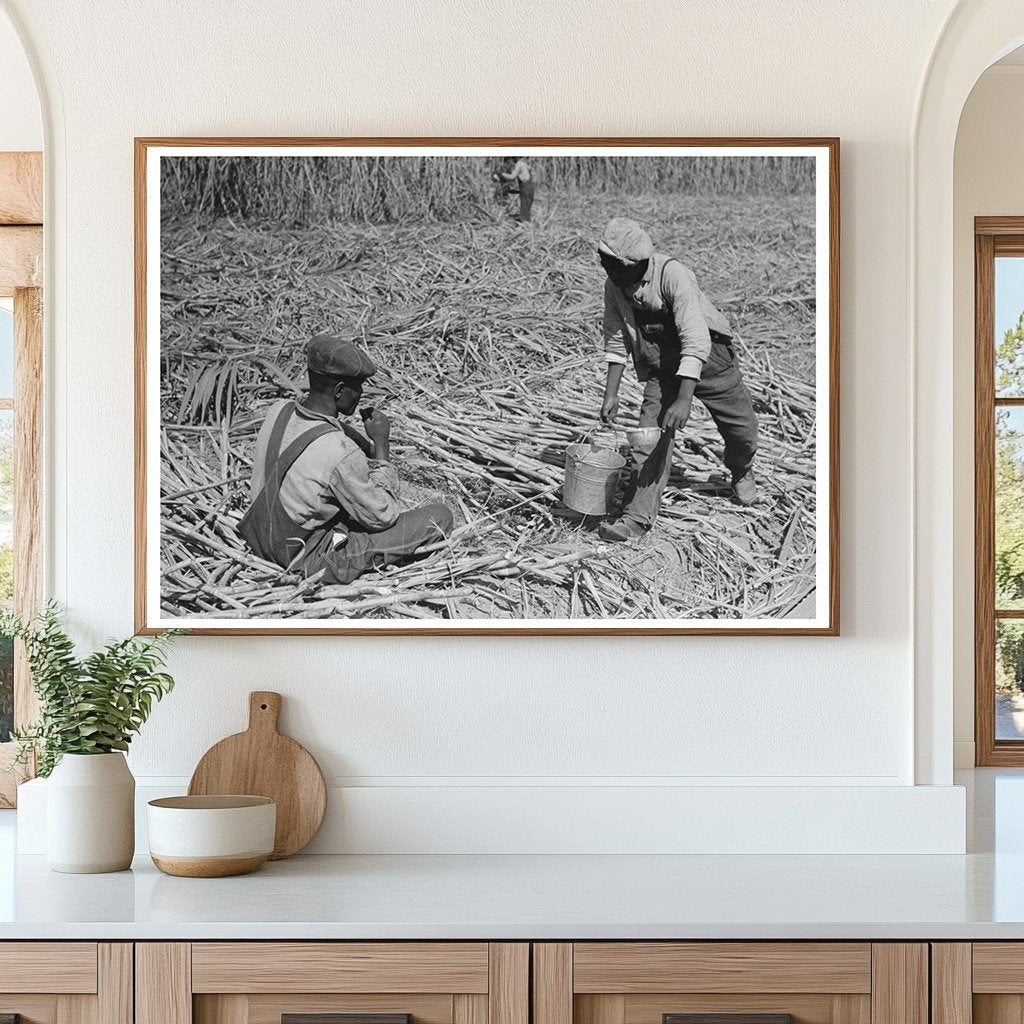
<point x="90" y="814"/>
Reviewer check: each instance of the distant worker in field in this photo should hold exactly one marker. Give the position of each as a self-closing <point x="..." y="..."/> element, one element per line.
<point x="515" y="174"/>
<point x="681" y="348"/>
<point x="319" y="503"/>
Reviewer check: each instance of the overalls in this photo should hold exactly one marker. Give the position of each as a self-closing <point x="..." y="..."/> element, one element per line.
<point x="527" y="190"/>
<point x="276" y="537"/>
<point x="720" y="388"/>
<point x="266" y="526"/>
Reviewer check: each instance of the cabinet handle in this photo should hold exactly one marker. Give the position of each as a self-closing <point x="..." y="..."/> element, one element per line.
<point x="727" y="1018"/>
<point x="337" y="1018"/>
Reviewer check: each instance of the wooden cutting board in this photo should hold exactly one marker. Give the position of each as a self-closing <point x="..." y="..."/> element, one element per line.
<point x="262" y="762"/>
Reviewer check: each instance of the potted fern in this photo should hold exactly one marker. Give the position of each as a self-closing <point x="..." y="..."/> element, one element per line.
<point x="90" y="707"/>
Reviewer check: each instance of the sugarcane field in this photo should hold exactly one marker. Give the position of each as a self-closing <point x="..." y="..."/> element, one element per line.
<point x="448" y="354"/>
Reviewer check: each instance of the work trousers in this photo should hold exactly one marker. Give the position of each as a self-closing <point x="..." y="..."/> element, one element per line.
<point x="527" y="190"/>
<point x="365" y="551"/>
<point x="726" y="397"/>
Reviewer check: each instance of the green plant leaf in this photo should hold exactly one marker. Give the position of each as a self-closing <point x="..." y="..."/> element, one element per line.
<point x="90" y="705"/>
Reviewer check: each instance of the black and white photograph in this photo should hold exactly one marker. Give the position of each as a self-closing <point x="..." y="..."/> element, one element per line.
<point x="403" y="386"/>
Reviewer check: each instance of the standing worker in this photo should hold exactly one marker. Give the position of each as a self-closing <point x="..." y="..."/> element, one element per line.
<point x="517" y="171"/>
<point x="319" y="505"/>
<point x="681" y="347"/>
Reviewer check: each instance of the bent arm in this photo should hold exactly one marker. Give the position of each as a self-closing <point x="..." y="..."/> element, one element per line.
<point x="677" y="415"/>
<point x="367" y="491"/>
<point x="365" y="445"/>
<point x="519" y="171"/>
<point x="614" y="329"/>
<point x="680" y="290"/>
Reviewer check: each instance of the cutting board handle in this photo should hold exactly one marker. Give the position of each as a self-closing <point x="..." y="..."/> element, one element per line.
<point x="264" y="710"/>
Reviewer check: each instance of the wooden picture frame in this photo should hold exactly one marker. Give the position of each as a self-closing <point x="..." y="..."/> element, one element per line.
<point x="819" y="610"/>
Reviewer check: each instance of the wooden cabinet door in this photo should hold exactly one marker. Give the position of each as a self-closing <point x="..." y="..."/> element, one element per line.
<point x="730" y="983"/>
<point x="332" y="983"/>
<point x="66" y="982"/>
<point x="978" y="983"/>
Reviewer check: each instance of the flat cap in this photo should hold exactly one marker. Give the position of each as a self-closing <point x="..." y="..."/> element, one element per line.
<point x="335" y="356"/>
<point x="626" y="241"/>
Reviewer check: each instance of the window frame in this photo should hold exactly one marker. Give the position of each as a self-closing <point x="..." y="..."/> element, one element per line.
<point x="993" y="237"/>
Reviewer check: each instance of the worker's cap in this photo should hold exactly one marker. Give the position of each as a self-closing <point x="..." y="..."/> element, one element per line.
<point x="626" y="241"/>
<point x="334" y="356"/>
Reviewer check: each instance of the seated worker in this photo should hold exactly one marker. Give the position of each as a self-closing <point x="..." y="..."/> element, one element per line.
<point x="681" y="347"/>
<point x="319" y="505"/>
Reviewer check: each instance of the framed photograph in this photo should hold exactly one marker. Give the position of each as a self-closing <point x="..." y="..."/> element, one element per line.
<point x="504" y="386"/>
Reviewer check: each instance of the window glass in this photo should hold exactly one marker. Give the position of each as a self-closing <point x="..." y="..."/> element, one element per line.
<point x="6" y="353"/>
<point x="1009" y="510"/>
<point x="6" y="568"/>
<point x="1009" y="679"/>
<point x="1009" y="327"/>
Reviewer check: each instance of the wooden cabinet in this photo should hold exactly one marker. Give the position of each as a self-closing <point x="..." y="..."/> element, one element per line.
<point x="499" y="983"/>
<point x="979" y="982"/>
<point x="66" y="982"/>
<point x="759" y="982"/>
<point x="306" y="982"/>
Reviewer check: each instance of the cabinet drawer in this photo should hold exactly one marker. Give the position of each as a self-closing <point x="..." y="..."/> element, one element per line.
<point x="730" y="983"/>
<point x="332" y="983"/>
<point x="752" y="967"/>
<point x="981" y="982"/>
<point x="340" y="967"/>
<point x="998" y="967"/>
<point x="65" y="967"/>
<point x="642" y="982"/>
<point x="66" y="982"/>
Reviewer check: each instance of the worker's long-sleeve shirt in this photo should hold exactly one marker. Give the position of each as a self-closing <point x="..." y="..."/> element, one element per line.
<point x="520" y="172"/>
<point x="671" y="288"/>
<point x="331" y="475"/>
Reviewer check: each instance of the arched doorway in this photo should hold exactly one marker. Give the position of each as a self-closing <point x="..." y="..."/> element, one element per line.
<point x="976" y="34"/>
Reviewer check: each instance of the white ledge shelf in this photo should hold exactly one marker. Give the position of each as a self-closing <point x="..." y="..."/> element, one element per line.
<point x="541" y="897"/>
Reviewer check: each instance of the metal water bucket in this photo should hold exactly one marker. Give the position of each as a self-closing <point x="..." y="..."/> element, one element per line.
<point x="591" y="476"/>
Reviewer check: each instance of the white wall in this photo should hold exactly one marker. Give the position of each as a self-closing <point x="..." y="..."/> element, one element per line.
<point x="464" y="711"/>
<point x="988" y="181"/>
<point x="20" y="124"/>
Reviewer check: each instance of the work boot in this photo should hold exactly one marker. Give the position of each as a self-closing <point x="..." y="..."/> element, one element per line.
<point x="744" y="488"/>
<point x="621" y="530"/>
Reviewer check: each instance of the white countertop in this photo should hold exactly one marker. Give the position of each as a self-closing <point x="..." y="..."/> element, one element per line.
<point x="517" y="897"/>
<point x="977" y="896"/>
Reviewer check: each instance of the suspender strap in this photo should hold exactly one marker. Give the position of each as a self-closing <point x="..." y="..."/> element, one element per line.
<point x="276" y="437"/>
<point x="661" y="279"/>
<point x="278" y="462"/>
<point x="297" y="447"/>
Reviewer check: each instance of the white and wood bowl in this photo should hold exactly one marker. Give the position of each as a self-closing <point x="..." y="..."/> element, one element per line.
<point x="211" y="836"/>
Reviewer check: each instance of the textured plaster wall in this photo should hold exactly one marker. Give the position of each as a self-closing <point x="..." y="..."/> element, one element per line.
<point x="815" y="711"/>
<point x="21" y="127"/>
